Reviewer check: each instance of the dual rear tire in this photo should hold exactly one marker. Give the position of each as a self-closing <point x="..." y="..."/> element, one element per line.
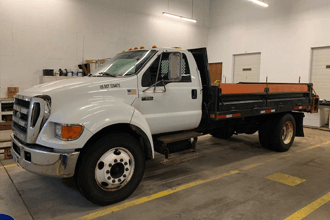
<point x="278" y="134"/>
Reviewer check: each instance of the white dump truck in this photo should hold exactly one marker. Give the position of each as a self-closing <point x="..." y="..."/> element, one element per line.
<point x="103" y="127"/>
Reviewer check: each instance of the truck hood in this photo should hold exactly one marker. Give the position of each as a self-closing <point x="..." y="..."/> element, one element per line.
<point x="86" y="83"/>
<point x="88" y="90"/>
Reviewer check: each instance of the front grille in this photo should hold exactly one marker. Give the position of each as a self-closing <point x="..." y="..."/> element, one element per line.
<point x="16" y="149"/>
<point x="24" y="103"/>
<point x="21" y="116"/>
<point x="20" y="127"/>
<point x="28" y="115"/>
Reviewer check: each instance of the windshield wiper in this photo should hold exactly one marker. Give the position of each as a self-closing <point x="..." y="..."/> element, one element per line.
<point x="107" y="74"/>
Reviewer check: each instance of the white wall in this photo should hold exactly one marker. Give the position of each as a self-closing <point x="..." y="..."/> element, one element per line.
<point x="40" y="34"/>
<point x="284" y="33"/>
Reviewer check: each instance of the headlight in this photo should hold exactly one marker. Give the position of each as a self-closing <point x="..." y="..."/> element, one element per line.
<point x="68" y="132"/>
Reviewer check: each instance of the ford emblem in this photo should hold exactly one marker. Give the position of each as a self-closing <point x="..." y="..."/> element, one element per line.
<point x="18" y="115"/>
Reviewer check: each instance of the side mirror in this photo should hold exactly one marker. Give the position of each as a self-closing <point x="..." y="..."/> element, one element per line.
<point x="174" y="73"/>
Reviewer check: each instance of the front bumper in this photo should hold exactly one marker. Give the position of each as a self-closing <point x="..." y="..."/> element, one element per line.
<point x="43" y="162"/>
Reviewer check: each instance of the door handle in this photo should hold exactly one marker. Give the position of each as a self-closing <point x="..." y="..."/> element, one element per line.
<point x="194" y="93"/>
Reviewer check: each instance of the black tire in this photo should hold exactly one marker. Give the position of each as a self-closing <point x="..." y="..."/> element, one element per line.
<point x="264" y="134"/>
<point x="284" y="132"/>
<point x="90" y="168"/>
<point x="223" y="134"/>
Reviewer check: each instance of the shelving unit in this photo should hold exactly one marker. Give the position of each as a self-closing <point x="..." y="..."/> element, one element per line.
<point x="6" y="108"/>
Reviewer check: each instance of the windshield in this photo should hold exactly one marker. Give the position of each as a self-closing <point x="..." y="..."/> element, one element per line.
<point x="124" y="64"/>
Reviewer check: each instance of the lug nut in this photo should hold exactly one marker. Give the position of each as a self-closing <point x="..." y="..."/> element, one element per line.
<point x="116" y="160"/>
<point x="108" y="171"/>
<point x="110" y="165"/>
<point x="109" y="177"/>
<point x="121" y="160"/>
<point x="119" y="180"/>
<point x="126" y="169"/>
<point x="125" y="163"/>
<point x="124" y="176"/>
<point x="113" y="181"/>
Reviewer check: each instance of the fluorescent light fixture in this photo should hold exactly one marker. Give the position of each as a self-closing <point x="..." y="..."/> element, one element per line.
<point x="260" y="3"/>
<point x="170" y="15"/>
<point x="180" y="17"/>
<point x="189" y="19"/>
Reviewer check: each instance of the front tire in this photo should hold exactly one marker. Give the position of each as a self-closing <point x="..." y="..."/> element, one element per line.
<point x="111" y="169"/>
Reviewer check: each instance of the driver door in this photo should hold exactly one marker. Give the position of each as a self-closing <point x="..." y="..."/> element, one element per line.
<point x="169" y="106"/>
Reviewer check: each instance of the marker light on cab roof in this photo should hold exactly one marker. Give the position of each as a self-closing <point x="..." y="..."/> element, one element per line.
<point x="180" y="48"/>
<point x="154" y="46"/>
<point x="124" y="51"/>
<point x="135" y="48"/>
<point x="142" y="47"/>
<point x="130" y="48"/>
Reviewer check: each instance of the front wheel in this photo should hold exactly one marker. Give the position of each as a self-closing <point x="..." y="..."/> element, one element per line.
<point x="111" y="169"/>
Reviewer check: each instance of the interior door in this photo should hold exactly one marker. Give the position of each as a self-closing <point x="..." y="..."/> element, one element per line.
<point x="247" y="67"/>
<point x="175" y="106"/>
<point x="215" y="72"/>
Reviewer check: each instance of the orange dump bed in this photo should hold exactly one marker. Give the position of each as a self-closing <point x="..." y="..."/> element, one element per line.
<point x="261" y="88"/>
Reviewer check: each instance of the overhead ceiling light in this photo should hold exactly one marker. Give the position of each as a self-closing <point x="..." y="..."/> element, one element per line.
<point x="189" y="19"/>
<point x="170" y="15"/>
<point x="180" y="17"/>
<point x="260" y="3"/>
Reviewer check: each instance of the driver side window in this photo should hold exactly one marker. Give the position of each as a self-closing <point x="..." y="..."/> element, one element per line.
<point x="149" y="77"/>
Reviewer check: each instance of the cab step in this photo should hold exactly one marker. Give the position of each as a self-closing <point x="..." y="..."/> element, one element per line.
<point x="185" y="157"/>
<point x="177" y="142"/>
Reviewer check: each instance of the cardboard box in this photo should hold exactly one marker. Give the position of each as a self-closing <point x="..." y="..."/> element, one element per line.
<point x="8" y="154"/>
<point x="12" y="92"/>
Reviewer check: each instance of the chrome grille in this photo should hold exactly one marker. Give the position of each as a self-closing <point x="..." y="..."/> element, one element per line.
<point x="27" y="118"/>
<point x="20" y="116"/>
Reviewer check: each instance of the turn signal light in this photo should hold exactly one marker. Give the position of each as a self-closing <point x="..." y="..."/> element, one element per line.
<point x="142" y="47"/>
<point x="68" y="132"/>
<point x="154" y="46"/>
<point x="71" y="132"/>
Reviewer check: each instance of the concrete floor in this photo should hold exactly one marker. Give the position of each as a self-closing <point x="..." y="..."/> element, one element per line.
<point x="245" y="193"/>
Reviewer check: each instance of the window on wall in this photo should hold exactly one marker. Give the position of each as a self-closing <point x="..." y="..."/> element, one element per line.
<point x="149" y="77"/>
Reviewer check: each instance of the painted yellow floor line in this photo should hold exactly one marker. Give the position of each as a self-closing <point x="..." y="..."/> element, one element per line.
<point x="302" y="213"/>
<point x="125" y="205"/>
<point x="10" y="165"/>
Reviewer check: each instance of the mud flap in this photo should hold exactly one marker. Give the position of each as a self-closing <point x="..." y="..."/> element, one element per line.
<point x="299" y="118"/>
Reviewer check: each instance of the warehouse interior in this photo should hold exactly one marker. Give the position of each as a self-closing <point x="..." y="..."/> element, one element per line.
<point x="247" y="41"/>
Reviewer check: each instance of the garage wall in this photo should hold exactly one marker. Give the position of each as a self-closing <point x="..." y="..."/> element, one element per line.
<point x="37" y="34"/>
<point x="284" y="33"/>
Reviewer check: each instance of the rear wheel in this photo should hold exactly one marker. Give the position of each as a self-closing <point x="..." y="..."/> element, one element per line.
<point x="264" y="134"/>
<point x="111" y="169"/>
<point x="223" y="134"/>
<point x="284" y="133"/>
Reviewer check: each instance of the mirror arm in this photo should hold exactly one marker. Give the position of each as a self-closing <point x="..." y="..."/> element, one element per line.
<point x="164" y="85"/>
<point x="153" y="85"/>
<point x="160" y="61"/>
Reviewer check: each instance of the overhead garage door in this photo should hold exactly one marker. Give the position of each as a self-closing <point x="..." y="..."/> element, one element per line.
<point x="320" y="75"/>
<point x="247" y="67"/>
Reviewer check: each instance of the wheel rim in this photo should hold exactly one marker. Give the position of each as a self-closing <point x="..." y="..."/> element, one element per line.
<point x="114" y="169"/>
<point x="287" y="133"/>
